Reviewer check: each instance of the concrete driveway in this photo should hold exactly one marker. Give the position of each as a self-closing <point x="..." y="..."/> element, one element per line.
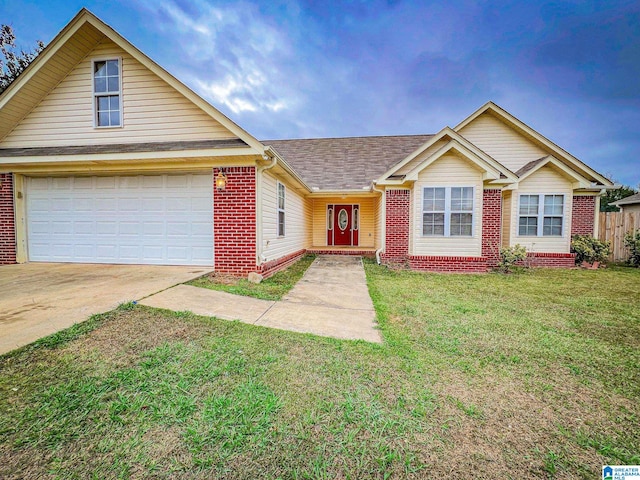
<point x="38" y="299"/>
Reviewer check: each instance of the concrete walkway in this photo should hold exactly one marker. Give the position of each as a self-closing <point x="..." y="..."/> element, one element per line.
<point x="330" y="300"/>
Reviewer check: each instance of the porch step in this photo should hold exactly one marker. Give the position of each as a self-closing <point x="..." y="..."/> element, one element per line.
<point x="364" y="252"/>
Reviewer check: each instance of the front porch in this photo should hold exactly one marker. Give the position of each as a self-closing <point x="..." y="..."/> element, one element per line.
<point x="346" y="225"/>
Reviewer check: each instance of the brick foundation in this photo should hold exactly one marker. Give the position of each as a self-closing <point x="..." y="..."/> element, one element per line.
<point x="433" y="263"/>
<point x="491" y="225"/>
<point x="550" y="260"/>
<point x="7" y="220"/>
<point x="397" y="226"/>
<point x="360" y="253"/>
<point x="271" y="267"/>
<point x="234" y="222"/>
<point x="583" y="215"/>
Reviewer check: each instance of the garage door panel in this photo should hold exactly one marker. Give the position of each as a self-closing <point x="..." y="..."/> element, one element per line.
<point x="62" y="228"/>
<point x="153" y="229"/>
<point x="129" y="204"/>
<point x="86" y="252"/>
<point x="82" y="183"/>
<point x="157" y="219"/>
<point x="64" y="183"/>
<point x="105" y="182"/>
<point x="84" y="228"/>
<point x="39" y="184"/>
<point x="201" y="229"/>
<point x="105" y="205"/>
<point x="153" y="181"/>
<point x="153" y="205"/>
<point x="83" y="204"/>
<point x="177" y="254"/>
<point x="201" y="181"/>
<point x="153" y="253"/>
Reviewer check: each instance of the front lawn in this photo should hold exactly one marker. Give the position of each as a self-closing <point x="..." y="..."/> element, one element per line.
<point x="533" y="375"/>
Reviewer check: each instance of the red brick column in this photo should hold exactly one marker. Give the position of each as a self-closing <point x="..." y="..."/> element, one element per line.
<point x="397" y="225"/>
<point x="7" y="220"/>
<point x="234" y="222"/>
<point x="583" y="215"/>
<point x="491" y="225"/>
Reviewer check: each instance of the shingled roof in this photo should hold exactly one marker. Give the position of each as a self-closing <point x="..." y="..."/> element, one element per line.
<point x="631" y="200"/>
<point x="345" y="163"/>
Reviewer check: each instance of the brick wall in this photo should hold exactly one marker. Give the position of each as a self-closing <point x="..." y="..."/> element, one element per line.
<point x="491" y="225"/>
<point x="434" y="263"/>
<point x="7" y="220"/>
<point x="397" y="225"/>
<point x="551" y="260"/>
<point x="583" y="214"/>
<point x="234" y="222"/>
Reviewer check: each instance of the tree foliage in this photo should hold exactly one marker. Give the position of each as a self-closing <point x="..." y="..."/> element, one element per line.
<point x="613" y="196"/>
<point x="12" y="62"/>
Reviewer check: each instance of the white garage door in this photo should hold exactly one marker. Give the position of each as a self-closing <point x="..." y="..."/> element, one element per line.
<point x="144" y="219"/>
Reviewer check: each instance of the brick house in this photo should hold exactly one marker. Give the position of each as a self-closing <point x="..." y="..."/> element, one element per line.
<point x="107" y="158"/>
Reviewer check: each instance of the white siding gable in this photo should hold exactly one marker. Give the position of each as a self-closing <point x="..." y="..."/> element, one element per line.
<point x="502" y="142"/>
<point x="153" y="110"/>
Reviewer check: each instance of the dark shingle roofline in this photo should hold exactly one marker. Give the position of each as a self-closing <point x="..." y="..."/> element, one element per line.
<point x="123" y="148"/>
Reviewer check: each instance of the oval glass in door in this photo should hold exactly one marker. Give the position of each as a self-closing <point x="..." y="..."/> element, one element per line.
<point x="343" y="219"/>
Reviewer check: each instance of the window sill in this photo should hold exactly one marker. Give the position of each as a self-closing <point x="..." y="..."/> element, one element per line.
<point x="106" y="127"/>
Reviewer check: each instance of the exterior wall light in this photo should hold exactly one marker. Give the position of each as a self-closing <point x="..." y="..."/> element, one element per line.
<point x="221" y="180"/>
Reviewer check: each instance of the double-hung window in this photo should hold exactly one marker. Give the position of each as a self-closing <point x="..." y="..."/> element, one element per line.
<point x="447" y="211"/>
<point x="541" y="215"/>
<point x="281" y="204"/>
<point x="107" y="93"/>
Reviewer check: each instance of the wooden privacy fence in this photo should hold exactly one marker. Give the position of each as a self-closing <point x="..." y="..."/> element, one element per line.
<point x="612" y="227"/>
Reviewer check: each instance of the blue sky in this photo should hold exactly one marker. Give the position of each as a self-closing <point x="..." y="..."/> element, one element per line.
<point x="293" y="69"/>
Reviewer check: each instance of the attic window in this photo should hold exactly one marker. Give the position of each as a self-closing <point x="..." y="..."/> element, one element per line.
<point x="107" y="80"/>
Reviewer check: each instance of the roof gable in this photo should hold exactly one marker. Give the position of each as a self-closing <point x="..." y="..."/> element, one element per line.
<point x="84" y="33"/>
<point x="535" y="138"/>
<point x="483" y="162"/>
<point x="459" y="144"/>
<point x="579" y="181"/>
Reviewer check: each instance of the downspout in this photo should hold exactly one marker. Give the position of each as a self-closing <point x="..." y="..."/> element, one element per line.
<point x="383" y="222"/>
<point x="259" y="170"/>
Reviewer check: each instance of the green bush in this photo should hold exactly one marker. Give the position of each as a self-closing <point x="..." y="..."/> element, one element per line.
<point x="632" y="242"/>
<point x="589" y="249"/>
<point x="509" y="256"/>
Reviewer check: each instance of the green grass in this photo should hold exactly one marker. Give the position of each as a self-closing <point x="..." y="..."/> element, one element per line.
<point x="531" y="375"/>
<point x="273" y="288"/>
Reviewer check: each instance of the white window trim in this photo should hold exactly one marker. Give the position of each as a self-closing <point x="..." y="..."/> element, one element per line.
<point x="283" y="210"/>
<point x="95" y="95"/>
<point x="447" y="211"/>
<point x="541" y="215"/>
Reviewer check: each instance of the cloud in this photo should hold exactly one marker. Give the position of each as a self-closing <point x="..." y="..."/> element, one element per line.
<point x="228" y="53"/>
<point x="291" y="69"/>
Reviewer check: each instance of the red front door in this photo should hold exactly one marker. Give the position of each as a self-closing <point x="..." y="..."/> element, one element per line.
<point x="343" y="225"/>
